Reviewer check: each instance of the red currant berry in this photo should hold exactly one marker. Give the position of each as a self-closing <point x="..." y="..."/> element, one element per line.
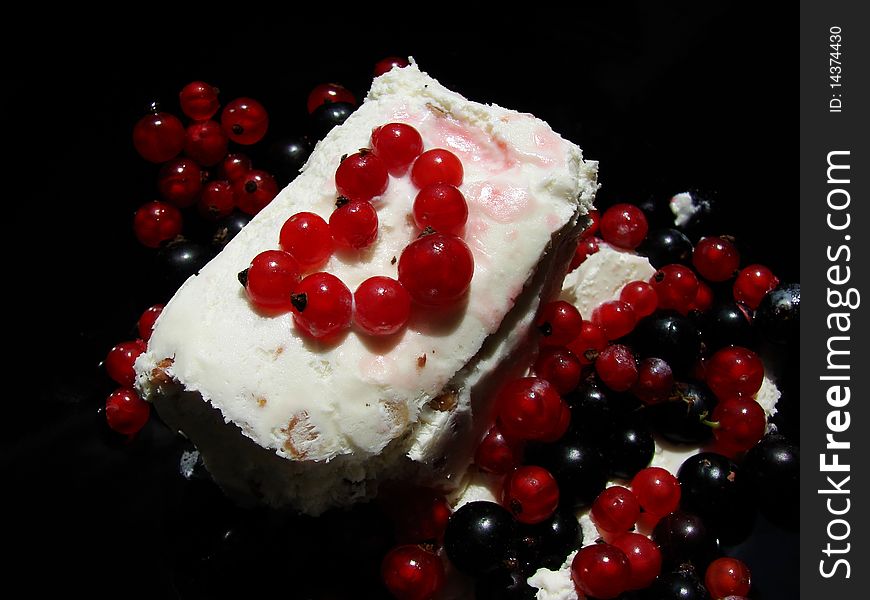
<point x="235" y="166"/>
<point x="657" y="491"/>
<point x="126" y="412"/>
<point x="146" y="322"/>
<point x="329" y="93"/>
<point x="411" y="573"/>
<point x="655" y="381"/>
<point x="119" y="361"/>
<point x="382" y="306"/>
<point x="497" y="453"/>
<point x="531" y="494"/>
<point x="617" y="367"/>
<point x="592" y="228"/>
<point x="559" y="323"/>
<point x="253" y="191"/>
<point x="529" y="408"/>
<point x="436" y="269"/>
<point x="323" y="305"/>
<point x="271" y="279"/>
<point x="180" y="182"/>
<point x="740" y="423"/>
<point x="615" y="510"/>
<point x="560" y="367"/>
<point x="589" y="343"/>
<point x="676" y="287"/>
<point x="734" y="371"/>
<point x="206" y="143"/>
<point x="387" y="64"/>
<point x="644" y="557"/>
<point x="624" y="226"/>
<point x="199" y="100"/>
<point x="361" y="176"/>
<point x="641" y="297"/>
<point x="753" y="283"/>
<point x="727" y="577"/>
<point x="601" y="571"/>
<point x="716" y="259"/>
<point x="245" y="121"/>
<point x="307" y="237"/>
<point x="442" y="207"/>
<point x="397" y="144"/>
<point x="158" y="137"/>
<point x="217" y="200"/>
<point x="437" y="166"/>
<point x="419" y="515"/>
<point x="703" y="299"/>
<point x="615" y="318"/>
<point x="354" y="224"/>
<point x="561" y="426"/>
<point x="585" y="249"/>
<point x="156" y="222"/>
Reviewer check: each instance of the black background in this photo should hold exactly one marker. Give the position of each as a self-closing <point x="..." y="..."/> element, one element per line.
<point x="667" y="98"/>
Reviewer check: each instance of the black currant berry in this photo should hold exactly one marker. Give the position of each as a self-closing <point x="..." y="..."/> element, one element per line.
<point x="709" y="485"/>
<point x="666" y="246"/>
<point x="327" y="116"/>
<point x="670" y="336"/>
<point x="629" y="449"/>
<point x="547" y="544"/>
<point x="778" y="315"/>
<point x="181" y="259"/>
<point x="683" y="537"/>
<point x="579" y="469"/>
<point x="726" y="325"/>
<point x="478" y="537"/>
<point x="771" y="475"/>
<point x="285" y="158"/>
<point x="228" y="228"/>
<point x="681" y="584"/>
<point x="504" y="584"/>
<point x="680" y="419"/>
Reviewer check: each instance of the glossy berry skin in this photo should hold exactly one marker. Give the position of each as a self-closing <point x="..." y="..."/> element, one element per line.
<point x="727" y="325"/>
<point x="629" y="449"/>
<point x="442" y="207"/>
<point x="727" y="577"/>
<point x="271" y="279"/>
<point x="617" y="367"/>
<point x="531" y="494"/>
<point x="615" y="510"/>
<point x="592" y="412"/>
<point x="322" y="306"/>
<point x="411" y="573"/>
<point x="286" y="157"/>
<point x="216" y="200"/>
<point x="329" y="115"/>
<point x="398" y="145"/>
<point x="382" y="306"/>
<point x="589" y="343"/>
<point x="709" y="486"/>
<point x="657" y="491"/>
<point x="592" y="228"/>
<point x="681" y="584"/>
<point x="655" y="381"/>
<point x="119" y="361"/>
<point x="680" y="419"/>
<point x="741" y="424"/>
<point x="670" y="336"/>
<point x="585" y="248"/>
<point x="734" y="371"/>
<point x="624" y="226"/>
<point x="329" y="93"/>
<point x="307" y="237"/>
<point x="126" y="412"/>
<point x="478" y="537"/>
<point x="771" y="474"/>
<point x="615" y="318"/>
<point x="601" y="571"/>
<point x="498" y="454"/>
<point x="676" y="287"/>
<point x="547" y="543"/>
<point x="180" y="259"/>
<point x="579" y="469"/>
<point x="436" y="269"/>
<point x="641" y="296"/>
<point x="354" y="225"/>
<point x="234" y="166"/>
<point x="388" y="64"/>
<point x="361" y="176"/>
<point x="245" y="121"/>
<point x="559" y="323"/>
<point x="560" y="367"/>
<point x="437" y="166"/>
<point x="716" y="259"/>
<point x="228" y="227"/>
<point x="180" y="182"/>
<point x="254" y="190"/>
<point x="158" y="137"/>
<point x="199" y="100"/>
<point x="703" y="298"/>
<point x="666" y="246"/>
<point x="644" y="557"/>
<point x="146" y="322"/>
<point x="683" y="537"/>
<point x="778" y="314"/>
<point x="529" y="408"/>
<point x="156" y="222"/>
<point x="206" y="143"/>
<point x="752" y="283"/>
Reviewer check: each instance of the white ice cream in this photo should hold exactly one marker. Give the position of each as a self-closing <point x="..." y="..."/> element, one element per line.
<point x="333" y="419"/>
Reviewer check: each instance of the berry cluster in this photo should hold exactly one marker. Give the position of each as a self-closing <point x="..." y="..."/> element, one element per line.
<point x="435" y="270"/>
